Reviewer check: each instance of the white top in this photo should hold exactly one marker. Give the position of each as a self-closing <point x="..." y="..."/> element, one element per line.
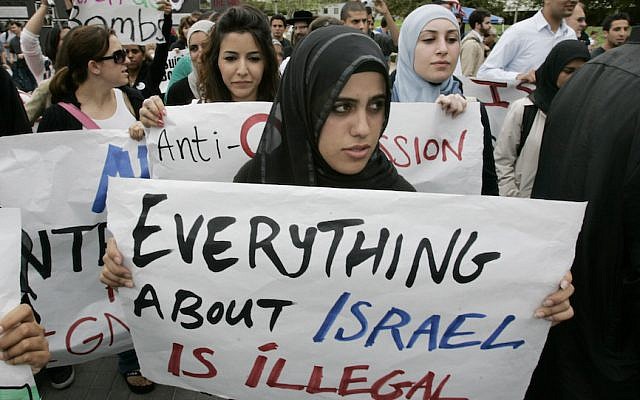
<point x="30" y="45"/>
<point x="517" y="174"/>
<point x="121" y="119"/>
<point x="523" y="47"/>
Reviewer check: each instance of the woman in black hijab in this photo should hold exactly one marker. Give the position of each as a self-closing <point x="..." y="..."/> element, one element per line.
<point x="324" y="67"/>
<point x="518" y="146"/>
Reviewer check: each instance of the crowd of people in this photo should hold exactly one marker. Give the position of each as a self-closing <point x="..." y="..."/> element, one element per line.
<point x="575" y="137"/>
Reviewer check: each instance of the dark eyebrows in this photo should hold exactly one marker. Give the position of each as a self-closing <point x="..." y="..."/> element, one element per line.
<point x="380" y="96"/>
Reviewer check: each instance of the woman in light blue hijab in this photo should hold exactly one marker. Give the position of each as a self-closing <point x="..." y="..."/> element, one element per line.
<point x="428" y="52"/>
<point x="413" y="85"/>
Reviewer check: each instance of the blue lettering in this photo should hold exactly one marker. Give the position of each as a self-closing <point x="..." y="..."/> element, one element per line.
<point x="118" y="163"/>
<point x="355" y="310"/>
<point x="488" y="344"/>
<point x="429" y="326"/>
<point x="331" y="317"/>
<point x="451" y="332"/>
<point x="405" y="318"/>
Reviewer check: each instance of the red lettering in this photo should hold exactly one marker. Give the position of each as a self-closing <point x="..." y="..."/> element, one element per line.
<point x="244" y="131"/>
<point x="272" y="381"/>
<point x="425" y="153"/>
<point x="199" y="355"/>
<point x="395" y="140"/>
<point x="346" y="380"/>
<point x="316" y="380"/>
<point x="526" y="89"/>
<point x="495" y="95"/>
<point x="416" y="149"/>
<point x="258" y="365"/>
<point x="174" y="360"/>
<point x="109" y="317"/>
<point x="426" y="383"/>
<point x="72" y="330"/>
<point x="445" y="145"/>
<point x="375" y="388"/>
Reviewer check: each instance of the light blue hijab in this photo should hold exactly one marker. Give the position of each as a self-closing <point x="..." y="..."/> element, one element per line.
<point x="409" y="86"/>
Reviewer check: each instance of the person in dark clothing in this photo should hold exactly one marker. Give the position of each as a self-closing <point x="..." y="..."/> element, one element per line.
<point x="295" y="151"/>
<point x="13" y="118"/>
<point x="22" y="76"/>
<point x="616" y="28"/>
<point x="183" y="28"/>
<point x="146" y="76"/>
<point x="278" y="26"/>
<point x="594" y="155"/>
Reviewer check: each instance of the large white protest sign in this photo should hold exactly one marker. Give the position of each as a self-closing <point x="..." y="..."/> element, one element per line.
<point x="134" y="21"/>
<point x="496" y="96"/>
<point x="16" y="382"/>
<point x="210" y="142"/>
<point x="59" y="180"/>
<point x="280" y="292"/>
<point x="172" y="60"/>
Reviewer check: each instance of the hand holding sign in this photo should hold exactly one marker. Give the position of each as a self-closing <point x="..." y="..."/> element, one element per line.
<point x="22" y="340"/>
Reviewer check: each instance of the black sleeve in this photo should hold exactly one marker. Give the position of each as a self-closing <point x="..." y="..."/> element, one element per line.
<point x="179" y="94"/>
<point x="489" y="175"/>
<point x="135" y="98"/>
<point x="56" y="118"/>
<point x="157" y="67"/>
<point x="13" y="118"/>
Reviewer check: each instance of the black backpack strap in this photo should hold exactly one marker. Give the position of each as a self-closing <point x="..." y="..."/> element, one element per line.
<point x="528" y="117"/>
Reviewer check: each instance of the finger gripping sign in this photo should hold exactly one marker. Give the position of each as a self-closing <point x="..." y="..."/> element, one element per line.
<point x="134" y="21"/>
<point x="16" y="381"/>
<point x="211" y="142"/>
<point x="64" y="233"/>
<point x="259" y="291"/>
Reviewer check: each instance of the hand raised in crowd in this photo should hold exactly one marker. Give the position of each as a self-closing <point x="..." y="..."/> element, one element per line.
<point x="556" y="307"/>
<point x="22" y="339"/>
<point x="152" y="112"/>
<point x="164" y="6"/>
<point x="114" y="274"/>
<point x="529" y="77"/>
<point x="136" y="131"/>
<point x="452" y="104"/>
<point x="381" y="7"/>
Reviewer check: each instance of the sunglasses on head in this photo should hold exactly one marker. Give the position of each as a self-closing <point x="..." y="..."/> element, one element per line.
<point x="118" y="57"/>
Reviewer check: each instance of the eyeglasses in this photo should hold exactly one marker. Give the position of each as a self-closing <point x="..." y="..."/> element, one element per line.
<point x="118" y="57"/>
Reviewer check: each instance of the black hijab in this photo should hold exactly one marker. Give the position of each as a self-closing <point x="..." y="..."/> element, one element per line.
<point x="547" y="74"/>
<point x="318" y="70"/>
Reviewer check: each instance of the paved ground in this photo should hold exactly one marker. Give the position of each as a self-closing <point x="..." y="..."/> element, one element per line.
<point x="99" y="380"/>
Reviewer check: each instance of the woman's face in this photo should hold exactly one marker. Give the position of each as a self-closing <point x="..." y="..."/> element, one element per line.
<point x="567" y="71"/>
<point x="350" y="134"/>
<point x="436" y="52"/>
<point x="241" y="65"/>
<point x="196" y="46"/>
<point x="114" y="73"/>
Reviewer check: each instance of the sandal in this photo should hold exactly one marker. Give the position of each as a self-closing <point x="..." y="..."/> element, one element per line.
<point x="138" y="389"/>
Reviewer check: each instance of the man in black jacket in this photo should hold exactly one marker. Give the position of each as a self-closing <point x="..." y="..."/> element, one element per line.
<point x="594" y="155"/>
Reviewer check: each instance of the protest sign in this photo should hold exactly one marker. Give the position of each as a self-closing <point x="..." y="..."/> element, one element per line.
<point x="280" y="292"/>
<point x="210" y="142"/>
<point x="496" y="96"/>
<point x="172" y="60"/>
<point x="134" y="21"/>
<point x="59" y="180"/>
<point x="16" y="382"/>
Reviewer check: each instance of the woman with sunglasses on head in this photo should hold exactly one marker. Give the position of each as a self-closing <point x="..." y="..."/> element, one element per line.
<point x="189" y="88"/>
<point x="238" y="63"/>
<point x="429" y="47"/>
<point x="91" y="91"/>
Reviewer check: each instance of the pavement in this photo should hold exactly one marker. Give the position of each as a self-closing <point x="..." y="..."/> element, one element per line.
<point x="99" y="380"/>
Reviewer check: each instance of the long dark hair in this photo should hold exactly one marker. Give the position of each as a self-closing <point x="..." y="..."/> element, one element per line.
<point x="52" y="41"/>
<point x="239" y="19"/>
<point x="81" y="45"/>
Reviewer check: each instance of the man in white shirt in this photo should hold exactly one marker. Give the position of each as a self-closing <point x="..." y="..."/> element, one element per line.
<point x="525" y="45"/>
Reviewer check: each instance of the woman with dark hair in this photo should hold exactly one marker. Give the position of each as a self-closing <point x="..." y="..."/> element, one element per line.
<point x="325" y="133"/>
<point x="518" y="146"/>
<point x="238" y="63"/>
<point x="183" y="29"/>
<point x="84" y="92"/>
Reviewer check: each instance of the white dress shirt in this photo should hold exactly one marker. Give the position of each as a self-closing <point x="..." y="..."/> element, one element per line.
<point x="523" y="47"/>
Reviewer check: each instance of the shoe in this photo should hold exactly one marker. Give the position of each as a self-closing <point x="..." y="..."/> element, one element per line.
<point x="61" y="377"/>
<point x="137" y="389"/>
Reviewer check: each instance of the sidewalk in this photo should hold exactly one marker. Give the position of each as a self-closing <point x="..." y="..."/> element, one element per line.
<point x="99" y="380"/>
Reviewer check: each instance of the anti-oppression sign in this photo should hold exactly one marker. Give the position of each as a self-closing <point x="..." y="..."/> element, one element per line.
<point x="134" y="21"/>
<point x="210" y="142"/>
<point x="59" y="180"/>
<point x="15" y="381"/>
<point x="278" y="292"/>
